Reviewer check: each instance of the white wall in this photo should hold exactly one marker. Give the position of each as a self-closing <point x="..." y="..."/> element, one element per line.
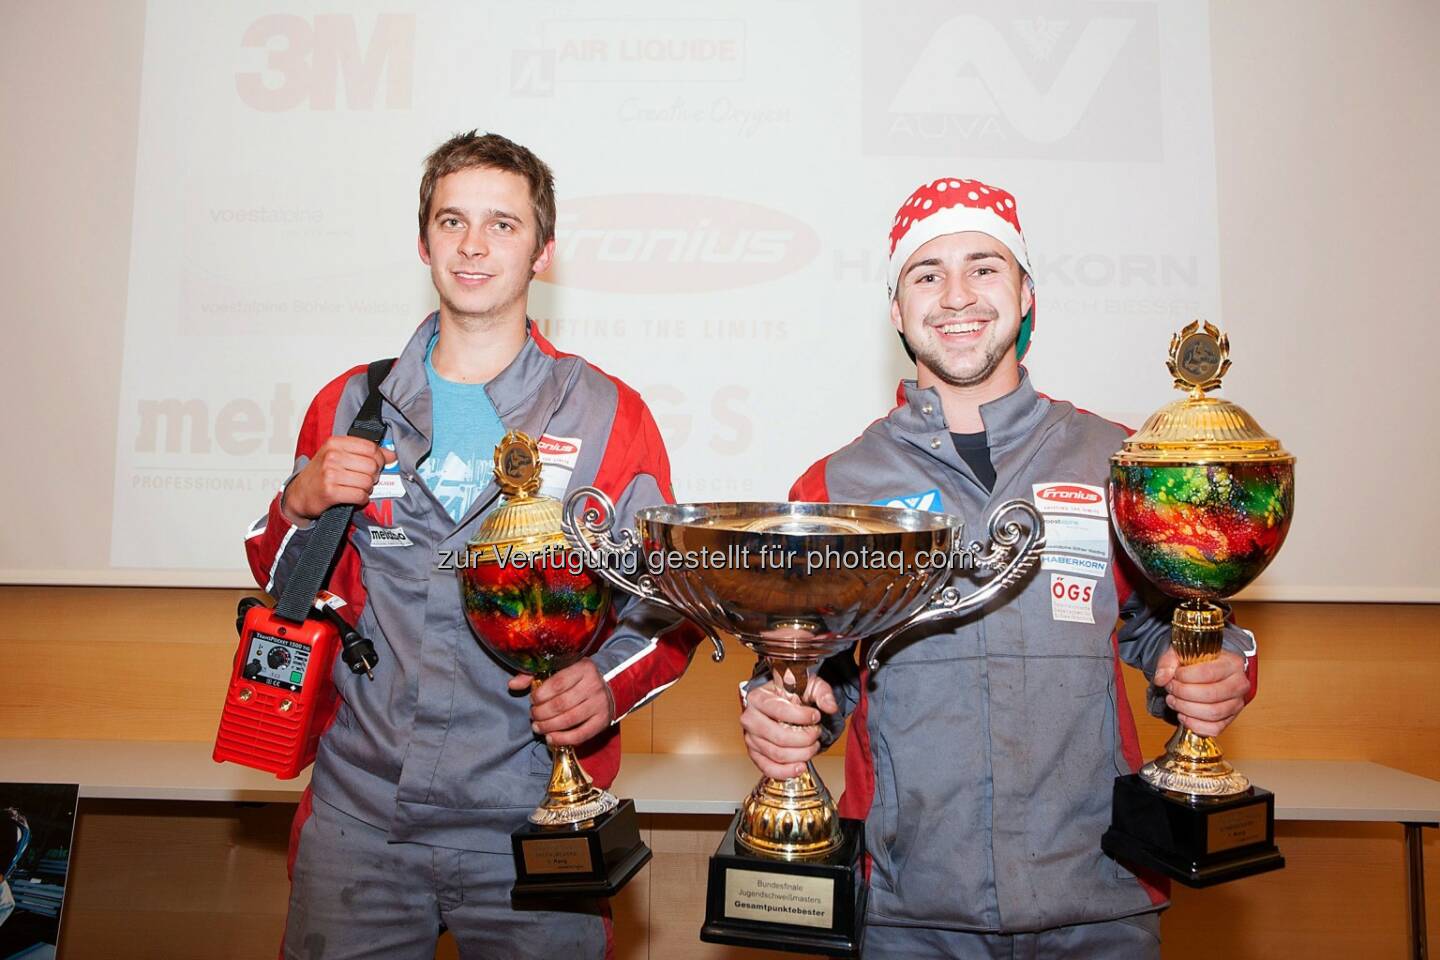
<point x="261" y="238"/>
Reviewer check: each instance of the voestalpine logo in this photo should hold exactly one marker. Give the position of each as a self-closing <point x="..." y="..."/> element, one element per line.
<point x="674" y="243"/>
<point x="926" y="500"/>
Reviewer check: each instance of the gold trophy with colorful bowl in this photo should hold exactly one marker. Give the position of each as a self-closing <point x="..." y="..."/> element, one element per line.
<point x="538" y="610"/>
<point x="1201" y="499"/>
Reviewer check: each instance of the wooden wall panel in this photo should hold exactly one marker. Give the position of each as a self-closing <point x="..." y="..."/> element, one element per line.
<point x="97" y="651"/>
<point x="1348" y="681"/>
<point x="154" y="881"/>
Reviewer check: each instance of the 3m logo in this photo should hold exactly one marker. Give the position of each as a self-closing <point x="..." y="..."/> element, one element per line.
<point x="674" y="243"/>
<point x="307" y="62"/>
<point x="929" y="500"/>
<point x="1070" y="493"/>
<point x="1074" y="81"/>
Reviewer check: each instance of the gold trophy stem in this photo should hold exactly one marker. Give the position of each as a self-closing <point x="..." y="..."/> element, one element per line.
<point x="572" y="797"/>
<point x="1194" y="765"/>
<point x="795" y="818"/>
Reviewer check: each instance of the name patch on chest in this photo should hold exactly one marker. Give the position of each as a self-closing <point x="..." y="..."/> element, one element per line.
<point x="558" y="456"/>
<point x="1071" y="599"/>
<point x="1077" y="528"/>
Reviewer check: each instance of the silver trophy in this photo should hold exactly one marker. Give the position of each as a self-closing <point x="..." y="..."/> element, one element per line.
<point x="797" y="583"/>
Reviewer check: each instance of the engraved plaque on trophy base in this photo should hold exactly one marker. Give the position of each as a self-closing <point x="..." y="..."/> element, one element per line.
<point x="590" y="859"/>
<point x="1198" y="842"/>
<point x="804" y="906"/>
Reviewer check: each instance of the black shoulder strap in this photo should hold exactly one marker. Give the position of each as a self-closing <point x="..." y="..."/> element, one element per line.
<point x="318" y="558"/>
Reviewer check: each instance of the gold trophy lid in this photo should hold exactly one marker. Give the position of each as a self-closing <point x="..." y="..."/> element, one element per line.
<point x="1200" y="428"/>
<point x="526" y="522"/>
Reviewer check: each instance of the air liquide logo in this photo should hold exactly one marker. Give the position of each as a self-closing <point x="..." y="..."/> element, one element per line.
<point x="1061" y="80"/>
<point x="674" y="243"/>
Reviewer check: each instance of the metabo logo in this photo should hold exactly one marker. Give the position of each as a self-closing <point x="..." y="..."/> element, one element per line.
<point x="1077" y="81"/>
<point x="674" y="243"/>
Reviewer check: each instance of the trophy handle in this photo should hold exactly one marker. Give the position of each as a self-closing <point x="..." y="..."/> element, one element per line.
<point x="589" y="530"/>
<point x="1013" y="549"/>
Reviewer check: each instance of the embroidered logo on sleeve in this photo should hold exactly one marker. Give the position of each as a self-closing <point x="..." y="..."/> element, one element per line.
<point x="925" y="500"/>
<point x="558" y="456"/>
<point x="1077" y="528"/>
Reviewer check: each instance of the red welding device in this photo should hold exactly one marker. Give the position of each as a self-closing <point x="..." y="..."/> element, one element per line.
<point x="282" y="694"/>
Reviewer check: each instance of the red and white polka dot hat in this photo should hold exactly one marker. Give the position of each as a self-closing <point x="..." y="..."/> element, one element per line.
<point x="956" y="206"/>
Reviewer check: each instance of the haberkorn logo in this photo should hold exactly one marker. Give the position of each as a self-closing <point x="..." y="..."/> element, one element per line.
<point x="1068" y="80"/>
<point x="675" y="243"/>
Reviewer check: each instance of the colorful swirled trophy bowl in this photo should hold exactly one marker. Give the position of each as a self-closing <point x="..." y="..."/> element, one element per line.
<point x="1201" y="500"/>
<point x="536" y="608"/>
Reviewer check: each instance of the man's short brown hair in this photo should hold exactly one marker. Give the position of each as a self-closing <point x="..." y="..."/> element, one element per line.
<point x="475" y="149"/>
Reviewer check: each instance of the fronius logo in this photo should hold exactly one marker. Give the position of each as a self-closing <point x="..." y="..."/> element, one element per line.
<point x="674" y="243"/>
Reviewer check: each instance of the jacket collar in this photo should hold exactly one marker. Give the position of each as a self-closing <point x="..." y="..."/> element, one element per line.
<point x="408" y="391"/>
<point x="1007" y="419"/>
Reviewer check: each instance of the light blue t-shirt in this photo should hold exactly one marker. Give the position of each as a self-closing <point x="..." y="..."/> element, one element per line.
<point x="464" y="429"/>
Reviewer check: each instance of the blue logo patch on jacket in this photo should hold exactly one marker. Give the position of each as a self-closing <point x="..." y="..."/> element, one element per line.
<point x="926" y="500"/>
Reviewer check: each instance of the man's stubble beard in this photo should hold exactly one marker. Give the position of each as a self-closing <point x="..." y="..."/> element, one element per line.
<point x="933" y="356"/>
<point x="481" y="321"/>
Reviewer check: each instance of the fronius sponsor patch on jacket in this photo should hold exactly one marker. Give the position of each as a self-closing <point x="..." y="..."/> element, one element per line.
<point x="558" y="456"/>
<point x="1077" y="527"/>
<point x="925" y="500"/>
<point x="1081" y="499"/>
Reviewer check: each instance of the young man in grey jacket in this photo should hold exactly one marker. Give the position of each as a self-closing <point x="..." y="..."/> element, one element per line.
<point x="428" y="768"/>
<point x="981" y="756"/>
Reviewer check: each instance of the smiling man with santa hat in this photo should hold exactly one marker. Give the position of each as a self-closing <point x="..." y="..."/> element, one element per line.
<point x="982" y="756"/>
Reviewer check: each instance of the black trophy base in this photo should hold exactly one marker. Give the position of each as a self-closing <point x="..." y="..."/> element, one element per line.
<point x="591" y="859"/>
<point x="805" y="906"/>
<point x="1199" y="843"/>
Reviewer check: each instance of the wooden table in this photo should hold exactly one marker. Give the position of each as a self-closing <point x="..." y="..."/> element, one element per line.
<point x="1339" y="790"/>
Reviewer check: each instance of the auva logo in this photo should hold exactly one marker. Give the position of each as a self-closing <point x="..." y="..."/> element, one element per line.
<point x="942" y="81"/>
<point x="928" y="500"/>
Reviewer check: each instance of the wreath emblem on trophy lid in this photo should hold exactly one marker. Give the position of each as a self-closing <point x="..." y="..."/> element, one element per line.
<point x="517" y="465"/>
<point x="1199" y="357"/>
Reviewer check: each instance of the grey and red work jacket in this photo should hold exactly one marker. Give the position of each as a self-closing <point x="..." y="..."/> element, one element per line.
<point x="436" y="749"/>
<point x="982" y="752"/>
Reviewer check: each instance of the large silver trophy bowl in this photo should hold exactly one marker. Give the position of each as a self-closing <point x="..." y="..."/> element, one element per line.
<point x="797" y="583"/>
